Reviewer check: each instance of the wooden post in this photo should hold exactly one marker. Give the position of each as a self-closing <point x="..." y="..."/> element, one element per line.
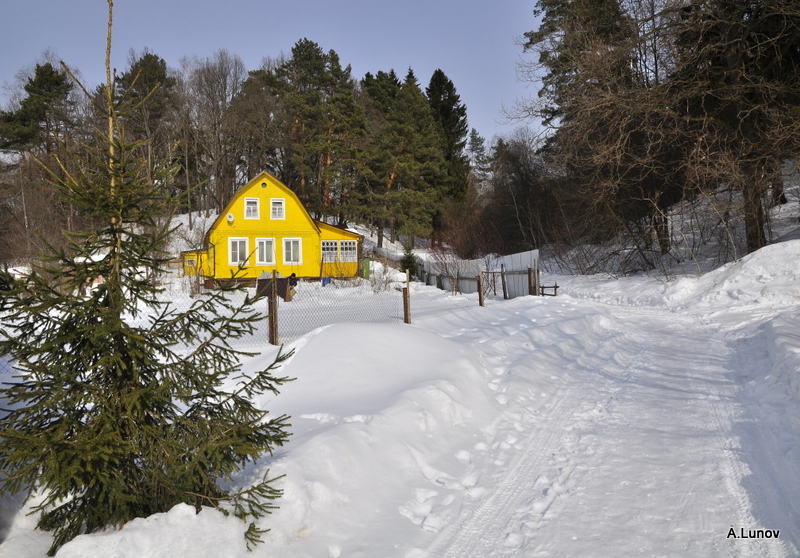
<point x="272" y="306"/>
<point x="537" y="282"/>
<point x="407" y="299"/>
<point x="481" y="301"/>
<point x="503" y="281"/>
<point x="531" y="283"/>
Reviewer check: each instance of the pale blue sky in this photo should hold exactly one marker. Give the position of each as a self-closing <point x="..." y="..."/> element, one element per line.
<point x="472" y="41"/>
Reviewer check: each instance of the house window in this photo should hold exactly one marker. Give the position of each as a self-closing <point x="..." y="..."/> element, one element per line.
<point x="349" y="251"/>
<point x="265" y="251"/>
<point x="277" y="209"/>
<point x="251" y="208"/>
<point x="191" y="262"/>
<point x="238" y="251"/>
<point x="330" y="251"/>
<point x="292" y="251"/>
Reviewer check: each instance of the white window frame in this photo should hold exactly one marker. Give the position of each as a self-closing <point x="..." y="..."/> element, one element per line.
<point x="242" y="260"/>
<point x="348" y="251"/>
<point x="248" y="214"/>
<point x="259" y="260"/>
<point x="272" y="207"/>
<point x="332" y="252"/>
<point x="299" y="260"/>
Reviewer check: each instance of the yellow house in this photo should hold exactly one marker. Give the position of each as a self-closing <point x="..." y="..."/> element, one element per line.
<point x="265" y="228"/>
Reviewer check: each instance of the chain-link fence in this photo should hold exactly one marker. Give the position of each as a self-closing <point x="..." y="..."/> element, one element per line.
<point x="321" y="303"/>
<point x="379" y="299"/>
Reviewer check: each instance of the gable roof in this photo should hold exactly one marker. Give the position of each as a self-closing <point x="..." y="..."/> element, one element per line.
<point x="263" y="177"/>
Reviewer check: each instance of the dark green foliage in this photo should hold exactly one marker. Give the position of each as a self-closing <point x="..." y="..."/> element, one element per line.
<point x="323" y="126"/>
<point x="451" y="114"/>
<point x="406" y="167"/>
<point x="151" y="93"/>
<point x="126" y="405"/>
<point x="571" y="35"/>
<point x="40" y="115"/>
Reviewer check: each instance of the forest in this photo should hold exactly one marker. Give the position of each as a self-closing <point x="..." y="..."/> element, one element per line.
<point x="659" y="125"/>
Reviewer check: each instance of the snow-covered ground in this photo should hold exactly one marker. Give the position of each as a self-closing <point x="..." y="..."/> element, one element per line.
<point x="624" y="417"/>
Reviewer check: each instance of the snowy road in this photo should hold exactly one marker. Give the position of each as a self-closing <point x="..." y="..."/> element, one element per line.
<point x="641" y="450"/>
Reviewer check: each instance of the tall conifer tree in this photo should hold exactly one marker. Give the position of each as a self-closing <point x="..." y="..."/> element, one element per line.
<point x="125" y="405"/>
<point x="42" y="115"/>
<point x="451" y="114"/>
<point x="407" y="164"/>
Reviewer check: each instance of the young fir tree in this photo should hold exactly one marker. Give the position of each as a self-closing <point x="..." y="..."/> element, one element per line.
<point x="125" y="405"/>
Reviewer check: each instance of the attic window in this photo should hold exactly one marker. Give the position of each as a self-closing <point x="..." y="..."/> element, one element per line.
<point x="277" y="209"/>
<point x="251" y="208"/>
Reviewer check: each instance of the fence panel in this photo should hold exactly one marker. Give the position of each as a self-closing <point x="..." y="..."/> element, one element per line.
<point x="506" y="276"/>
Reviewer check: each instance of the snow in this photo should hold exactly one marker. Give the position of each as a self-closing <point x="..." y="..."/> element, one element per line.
<point x="624" y="417"/>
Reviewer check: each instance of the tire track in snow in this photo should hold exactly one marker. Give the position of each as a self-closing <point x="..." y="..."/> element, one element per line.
<point x="764" y="453"/>
<point x="716" y="402"/>
<point x="646" y="370"/>
<point x="475" y="534"/>
<point x="488" y="528"/>
<point x="733" y="471"/>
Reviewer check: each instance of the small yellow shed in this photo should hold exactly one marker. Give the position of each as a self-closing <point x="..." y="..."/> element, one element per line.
<point x="266" y="228"/>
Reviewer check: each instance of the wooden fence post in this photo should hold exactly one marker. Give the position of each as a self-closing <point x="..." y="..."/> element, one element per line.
<point x="407" y="300"/>
<point x="481" y="300"/>
<point x="272" y="306"/>
<point x="503" y="280"/>
<point x="531" y="283"/>
<point x="537" y="282"/>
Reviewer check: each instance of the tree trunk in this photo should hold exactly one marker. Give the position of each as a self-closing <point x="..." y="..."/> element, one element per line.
<point x="661" y="225"/>
<point x="754" y="218"/>
<point x="776" y="183"/>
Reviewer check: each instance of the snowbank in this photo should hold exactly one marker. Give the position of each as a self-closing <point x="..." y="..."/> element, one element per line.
<point x="381" y="418"/>
<point x="783" y="338"/>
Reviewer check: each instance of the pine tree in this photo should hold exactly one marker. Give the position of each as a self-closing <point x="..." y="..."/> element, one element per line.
<point x="407" y="165"/>
<point x="325" y="125"/>
<point x="574" y="40"/>
<point x="152" y="92"/>
<point x="41" y="115"/>
<point x="125" y="405"/>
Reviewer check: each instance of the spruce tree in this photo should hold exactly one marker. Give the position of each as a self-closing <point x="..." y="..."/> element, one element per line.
<point x="451" y="114"/>
<point x="125" y="405"/>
